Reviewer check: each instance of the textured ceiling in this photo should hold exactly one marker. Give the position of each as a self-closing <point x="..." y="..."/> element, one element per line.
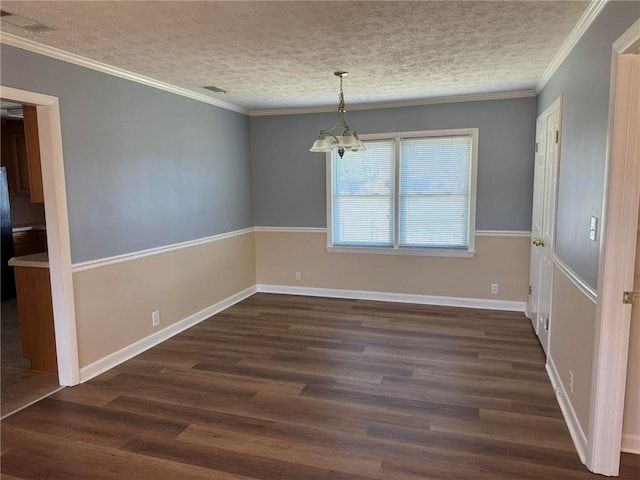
<point x="283" y="54"/>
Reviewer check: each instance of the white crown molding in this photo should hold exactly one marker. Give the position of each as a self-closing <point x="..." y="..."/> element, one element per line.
<point x="588" y="291"/>
<point x="590" y="14"/>
<point x="482" y="303"/>
<point x="103" y="262"/>
<point x="39" y="48"/>
<point x="398" y="104"/>
<point x="35" y="47"/>
<point x="569" y="414"/>
<point x="124" y="354"/>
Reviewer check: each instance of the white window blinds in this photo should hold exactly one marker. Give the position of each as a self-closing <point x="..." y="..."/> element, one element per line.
<point x="435" y="183"/>
<point x="362" y="199"/>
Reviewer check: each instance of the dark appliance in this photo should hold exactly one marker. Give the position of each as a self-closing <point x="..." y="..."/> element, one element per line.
<point x="8" y="283"/>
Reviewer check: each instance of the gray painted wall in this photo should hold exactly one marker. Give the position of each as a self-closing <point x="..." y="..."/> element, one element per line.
<point x="144" y="168"/>
<point x="289" y="181"/>
<point x="583" y="80"/>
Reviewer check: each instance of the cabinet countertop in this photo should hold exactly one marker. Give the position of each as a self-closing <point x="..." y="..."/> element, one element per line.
<point x="26" y="228"/>
<point x="37" y="260"/>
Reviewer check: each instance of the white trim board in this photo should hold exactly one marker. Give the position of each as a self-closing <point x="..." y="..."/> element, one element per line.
<point x="479" y="233"/>
<point x="631" y="443"/>
<point x="503" y="233"/>
<point x="124" y="354"/>
<point x="52" y="52"/>
<point x="125" y="257"/>
<point x="291" y="229"/>
<point x="398" y="104"/>
<point x="569" y="414"/>
<point x="590" y="14"/>
<point x="585" y="288"/>
<point x="480" y="303"/>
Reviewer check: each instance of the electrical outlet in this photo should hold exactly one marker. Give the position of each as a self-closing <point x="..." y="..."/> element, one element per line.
<point x="494" y="288"/>
<point x="298" y="276"/>
<point x="155" y="318"/>
<point x="570" y="381"/>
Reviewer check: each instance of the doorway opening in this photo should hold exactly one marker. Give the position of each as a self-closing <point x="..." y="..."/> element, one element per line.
<point x="28" y="368"/>
<point x="49" y="136"/>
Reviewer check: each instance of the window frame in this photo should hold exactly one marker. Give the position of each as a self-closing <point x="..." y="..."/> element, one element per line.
<point x="396" y="249"/>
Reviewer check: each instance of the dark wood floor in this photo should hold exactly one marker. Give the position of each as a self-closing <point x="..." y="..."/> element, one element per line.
<point x="297" y="388"/>
<point x="19" y="385"/>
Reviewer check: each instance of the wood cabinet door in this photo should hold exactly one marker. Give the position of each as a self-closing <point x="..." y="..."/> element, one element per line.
<point x="32" y="143"/>
<point x="14" y="156"/>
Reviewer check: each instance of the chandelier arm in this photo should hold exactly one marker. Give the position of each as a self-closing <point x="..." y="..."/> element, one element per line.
<point x="340" y="117"/>
<point x="344" y="122"/>
<point x="326" y="132"/>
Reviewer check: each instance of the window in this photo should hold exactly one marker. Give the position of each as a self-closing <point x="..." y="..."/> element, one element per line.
<point x="408" y="193"/>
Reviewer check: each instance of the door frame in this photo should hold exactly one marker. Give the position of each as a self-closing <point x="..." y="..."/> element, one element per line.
<point x="58" y="239"/>
<point x="617" y="257"/>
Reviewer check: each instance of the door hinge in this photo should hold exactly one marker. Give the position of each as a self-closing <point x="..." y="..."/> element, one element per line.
<point x="529" y="289"/>
<point x="557" y="136"/>
<point x="536" y="147"/>
<point x="627" y="297"/>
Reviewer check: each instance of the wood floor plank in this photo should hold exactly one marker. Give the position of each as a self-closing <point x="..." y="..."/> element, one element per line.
<point x="281" y="387"/>
<point x="285" y="450"/>
<point x="91" y="424"/>
<point x="221" y="460"/>
<point x="36" y="456"/>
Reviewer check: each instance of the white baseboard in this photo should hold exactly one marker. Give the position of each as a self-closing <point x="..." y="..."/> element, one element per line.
<point x="569" y="414"/>
<point x="116" y="358"/>
<point x="631" y="443"/>
<point x="396" y="297"/>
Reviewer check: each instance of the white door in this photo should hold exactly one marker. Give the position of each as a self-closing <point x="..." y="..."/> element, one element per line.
<point x="544" y="220"/>
<point x="536" y="220"/>
<point x="631" y="419"/>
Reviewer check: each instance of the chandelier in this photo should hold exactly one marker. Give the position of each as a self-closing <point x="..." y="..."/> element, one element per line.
<point x="349" y="140"/>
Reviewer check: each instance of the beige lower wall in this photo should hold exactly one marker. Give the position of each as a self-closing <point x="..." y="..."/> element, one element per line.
<point x="573" y="317"/>
<point x="114" y="302"/>
<point x="499" y="259"/>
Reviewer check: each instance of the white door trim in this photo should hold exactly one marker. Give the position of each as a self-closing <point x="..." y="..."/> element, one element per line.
<point x="617" y="257"/>
<point x="50" y="137"/>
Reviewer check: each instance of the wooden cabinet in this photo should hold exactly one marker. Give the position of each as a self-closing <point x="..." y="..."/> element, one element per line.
<point x="33" y="153"/>
<point x="28" y="242"/>
<point x="21" y="155"/>
<point x="35" y="310"/>
<point x="14" y="156"/>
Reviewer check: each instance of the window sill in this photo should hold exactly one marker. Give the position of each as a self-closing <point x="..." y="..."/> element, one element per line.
<point x="416" y="252"/>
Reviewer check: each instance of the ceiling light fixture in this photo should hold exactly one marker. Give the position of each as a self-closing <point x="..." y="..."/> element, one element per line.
<point x="349" y="140"/>
<point x="215" y="89"/>
<point x="22" y="22"/>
